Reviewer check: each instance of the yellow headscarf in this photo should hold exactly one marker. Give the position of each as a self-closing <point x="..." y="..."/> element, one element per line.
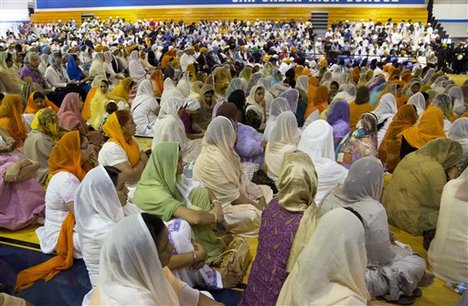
<point x="123" y="89"/>
<point x="46" y="121"/>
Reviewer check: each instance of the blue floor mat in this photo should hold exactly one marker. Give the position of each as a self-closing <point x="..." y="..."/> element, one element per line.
<point x="68" y="287"/>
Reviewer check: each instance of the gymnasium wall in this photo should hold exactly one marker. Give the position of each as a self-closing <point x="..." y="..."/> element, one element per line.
<point x="453" y="15"/>
<point x="195" y="10"/>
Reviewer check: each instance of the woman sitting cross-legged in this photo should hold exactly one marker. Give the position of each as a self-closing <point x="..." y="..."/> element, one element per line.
<point x="393" y="272"/>
<point x="163" y="190"/>
<point x="133" y="267"/>
<point x="331" y="268"/>
<point x="287" y="222"/>
<point x="219" y="168"/>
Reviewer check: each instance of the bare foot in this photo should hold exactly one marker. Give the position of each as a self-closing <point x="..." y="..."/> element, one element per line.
<point x="230" y="281"/>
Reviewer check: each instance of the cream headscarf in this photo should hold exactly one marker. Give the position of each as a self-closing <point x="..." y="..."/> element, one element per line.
<point x="331" y="268"/>
<point x="284" y="138"/>
<point x="297" y="190"/>
<point x="218" y="165"/>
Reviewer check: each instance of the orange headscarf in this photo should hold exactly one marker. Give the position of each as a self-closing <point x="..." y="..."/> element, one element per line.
<point x="406" y="76"/>
<point x="32" y="108"/>
<point x="319" y="101"/>
<point x="10" y="118"/>
<point x="430" y="127"/>
<point x="157" y="80"/>
<point x="298" y="72"/>
<point x="114" y="131"/>
<point x="65" y="156"/>
<point x="356" y="74"/>
<point x="167" y="57"/>
<point x="86" y="112"/>
<point x="389" y="150"/>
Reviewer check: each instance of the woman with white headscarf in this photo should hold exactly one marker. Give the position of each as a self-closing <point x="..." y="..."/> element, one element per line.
<point x="145" y="109"/>
<point x="256" y="102"/>
<point x="98" y="66"/>
<point x="218" y="167"/>
<point x="330" y="273"/>
<point x="278" y="106"/>
<point x="458" y="101"/>
<point x="392" y="271"/>
<point x="317" y="142"/>
<point x="385" y="112"/>
<point x="447" y="253"/>
<point x="347" y="92"/>
<point x="168" y="127"/>
<point x="100" y="202"/>
<point x="170" y="90"/>
<point x="135" y="68"/>
<point x="459" y="132"/>
<point x="284" y="138"/>
<point x="419" y="102"/>
<point x="133" y="267"/>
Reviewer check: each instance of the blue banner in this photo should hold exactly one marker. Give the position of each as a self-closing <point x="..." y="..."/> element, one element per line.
<point x="57" y="4"/>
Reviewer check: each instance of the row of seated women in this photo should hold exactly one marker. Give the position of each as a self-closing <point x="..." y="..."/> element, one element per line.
<point x="216" y="188"/>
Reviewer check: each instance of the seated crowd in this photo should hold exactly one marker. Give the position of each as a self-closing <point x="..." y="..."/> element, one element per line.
<point x="251" y="139"/>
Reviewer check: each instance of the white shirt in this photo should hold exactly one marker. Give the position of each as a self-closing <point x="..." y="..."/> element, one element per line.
<point x="112" y="154"/>
<point x="60" y="191"/>
<point x="55" y="79"/>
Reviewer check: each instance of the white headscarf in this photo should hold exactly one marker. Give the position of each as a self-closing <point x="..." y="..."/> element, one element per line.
<point x="278" y="106"/>
<point x="302" y="83"/>
<point x="130" y="272"/>
<point x="387" y="108"/>
<point x="317" y="142"/>
<point x="135" y="68"/>
<point x="98" y="68"/>
<point x="168" y="127"/>
<point x="143" y="107"/>
<point x="292" y="96"/>
<point x="459" y="132"/>
<point x="418" y="101"/>
<point x="144" y="94"/>
<point x="97" y="210"/>
<point x="331" y="268"/>
<point x="385" y="111"/>
<point x="252" y="104"/>
<point x="170" y="90"/>
<point x="458" y="101"/>
<point x="284" y="138"/>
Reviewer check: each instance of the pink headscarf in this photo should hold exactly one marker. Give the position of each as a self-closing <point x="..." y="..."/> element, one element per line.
<point x="69" y="113"/>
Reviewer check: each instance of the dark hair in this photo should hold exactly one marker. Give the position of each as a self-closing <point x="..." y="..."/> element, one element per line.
<point x="1" y="96"/>
<point x="253" y="119"/>
<point x="9" y="57"/>
<point x="426" y="96"/>
<point x="362" y="95"/>
<point x="123" y="116"/>
<point x="113" y="173"/>
<point x="38" y="94"/>
<point x="154" y="224"/>
<point x="228" y="110"/>
<point x="111" y="107"/>
<point x="335" y="83"/>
